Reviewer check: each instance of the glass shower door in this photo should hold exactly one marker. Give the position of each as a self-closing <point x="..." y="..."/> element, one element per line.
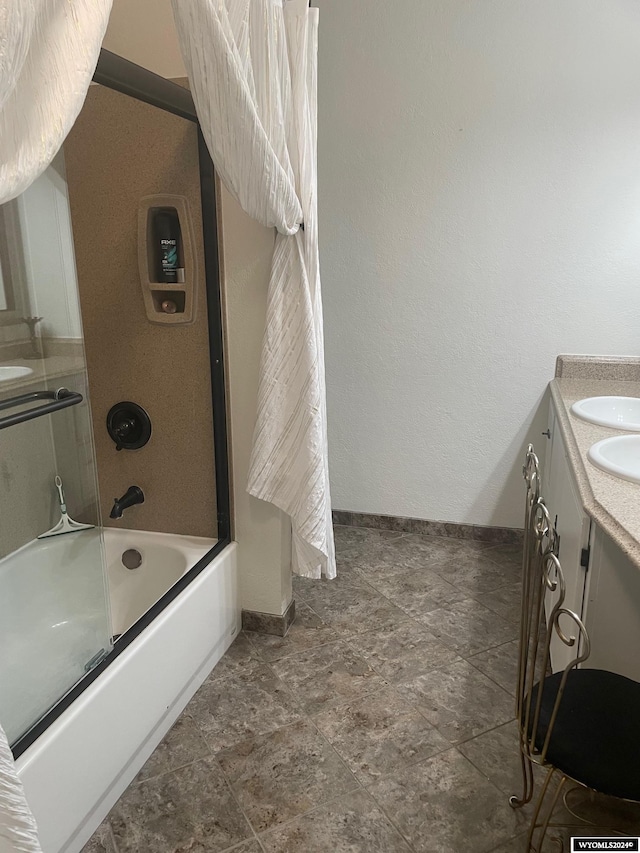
<point x="54" y="606"/>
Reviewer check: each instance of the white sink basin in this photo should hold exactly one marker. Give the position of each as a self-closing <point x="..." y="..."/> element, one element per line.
<point x="618" y="455"/>
<point x="616" y="412"/>
<point x="8" y="372"/>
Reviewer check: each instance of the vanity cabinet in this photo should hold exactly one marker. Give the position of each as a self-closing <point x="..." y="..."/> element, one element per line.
<point x="573" y="527"/>
<point x="602" y="583"/>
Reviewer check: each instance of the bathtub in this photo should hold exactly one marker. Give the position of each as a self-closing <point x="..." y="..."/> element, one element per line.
<point x="74" y="772"/>
<point x="165" y="558"/>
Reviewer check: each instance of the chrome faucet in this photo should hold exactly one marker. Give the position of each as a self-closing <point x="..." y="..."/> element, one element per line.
<point x="134" y="495"/>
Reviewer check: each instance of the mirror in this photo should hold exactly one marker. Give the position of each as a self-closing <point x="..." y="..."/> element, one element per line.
<point x="12" y="268"/>
<point x="38" y="291"/>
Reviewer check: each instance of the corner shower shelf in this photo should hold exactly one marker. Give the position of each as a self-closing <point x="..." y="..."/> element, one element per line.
<point x="182" y="293"/>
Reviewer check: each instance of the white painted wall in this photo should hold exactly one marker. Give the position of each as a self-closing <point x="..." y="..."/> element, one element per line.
<point x="479" y="190"/>
<point x="143" y="31"/>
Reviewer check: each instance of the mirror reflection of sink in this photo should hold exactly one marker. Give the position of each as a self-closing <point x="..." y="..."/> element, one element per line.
<point x="8" y="372"/>
<point x="616" y="412"/>
<point x="618" y="455"/>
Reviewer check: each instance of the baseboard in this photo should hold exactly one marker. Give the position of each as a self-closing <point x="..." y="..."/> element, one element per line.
<point x="480" y="533"/>
<point x="269" y="623"/>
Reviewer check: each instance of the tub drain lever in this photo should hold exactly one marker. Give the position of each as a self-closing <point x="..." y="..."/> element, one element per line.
<point x="66" y="524"/>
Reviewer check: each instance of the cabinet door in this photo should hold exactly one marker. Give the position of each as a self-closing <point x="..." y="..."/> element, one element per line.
<point x="548" y="480"/>
<point x="573" y="526"/>
<point x="613" y="620"/>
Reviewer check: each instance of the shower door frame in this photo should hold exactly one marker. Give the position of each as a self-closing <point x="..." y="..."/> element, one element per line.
<point x="116" y="72"/>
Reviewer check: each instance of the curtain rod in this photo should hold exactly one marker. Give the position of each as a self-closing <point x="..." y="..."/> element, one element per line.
<point x="124" y="76"/>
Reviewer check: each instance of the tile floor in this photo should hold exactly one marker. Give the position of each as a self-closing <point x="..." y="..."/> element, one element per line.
<point x="382" y="722"/>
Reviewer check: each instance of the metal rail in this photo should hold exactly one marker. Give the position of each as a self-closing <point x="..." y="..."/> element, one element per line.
<point x="61" y="399"/>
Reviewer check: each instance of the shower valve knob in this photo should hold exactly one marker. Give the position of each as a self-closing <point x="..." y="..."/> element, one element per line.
<point x="129" y="426"/>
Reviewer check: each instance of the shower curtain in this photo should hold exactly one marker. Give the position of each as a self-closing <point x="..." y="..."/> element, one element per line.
<point x="252" y="70"/>
<point x="48" y="53"/>
<point x="18" y="830"/>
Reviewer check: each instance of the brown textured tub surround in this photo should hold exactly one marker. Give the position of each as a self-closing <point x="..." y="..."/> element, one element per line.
<point x="163" y="368"/>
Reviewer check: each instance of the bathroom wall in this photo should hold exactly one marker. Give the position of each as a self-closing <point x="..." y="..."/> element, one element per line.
<point x="119" y="151"/>
<point x="479" y="192"/>
<point x="136" y="30"/>
<point x="143" y="31"/>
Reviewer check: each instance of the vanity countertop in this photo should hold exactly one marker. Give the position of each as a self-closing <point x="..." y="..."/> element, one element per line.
<point x="44" y="370"/>
<point x="614" y="504"/>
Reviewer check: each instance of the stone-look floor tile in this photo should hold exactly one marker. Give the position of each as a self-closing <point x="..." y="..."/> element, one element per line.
<point x="416" y="591"/>
<point x="604" y="811"/>
<point x="477" y="574"/>
<point x="327" y="590"/>
<point x="398" y="552"/>
<point x="506" y="601"/>
<point x="347" y="573"/>
<point x="345" y="565"/>
<point x="241" y="655"/>
<point x="459" y="701"/>
<point x="358" y="541"/>
<point x="307" y="632"/>
<point x="301" y="587"/>
<point x="246" y="847"/>
<point x="468" y="627"/>
<point x="182" y="745"/>
<point x="500" y="664"/>
<point x="327" y="676"/>
<point x="190" y="809"/>
<point x="379" y="733"/>
<point x="402" y="652"/>
<point x="428" y="552"/>
<point x="351" y="606"/>
<point x="506" y="554"/>
<point x="101" y="841"/>
<point x="513" y="845"/>
<point x="445" y="805"/>
<point x="352" y="824"/>
<point x="392" y="557"/>
<point x="284" y="774"/>
<point x="248" y="703"/>
<point x="496" y="754"/>
<point x="304" y="588"/>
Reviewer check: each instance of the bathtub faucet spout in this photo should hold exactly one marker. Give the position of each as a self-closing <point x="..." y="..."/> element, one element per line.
<point x="134" y="495"/>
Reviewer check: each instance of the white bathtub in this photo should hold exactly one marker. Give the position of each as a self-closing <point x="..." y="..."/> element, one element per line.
<point x="76" y="770"/>
<point x="165" y="558"/>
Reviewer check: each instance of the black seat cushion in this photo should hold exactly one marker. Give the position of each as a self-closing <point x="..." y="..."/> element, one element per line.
<point x="596" y="736"/>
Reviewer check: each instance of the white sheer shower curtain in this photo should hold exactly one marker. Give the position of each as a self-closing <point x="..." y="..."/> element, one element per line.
<point x="252" y="69"/>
